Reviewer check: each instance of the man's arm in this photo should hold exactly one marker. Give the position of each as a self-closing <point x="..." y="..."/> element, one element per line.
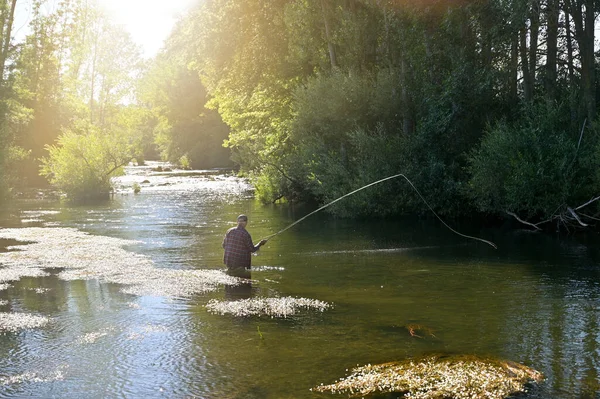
<point x="224" y="240"/>
<point x="251" y="246"/>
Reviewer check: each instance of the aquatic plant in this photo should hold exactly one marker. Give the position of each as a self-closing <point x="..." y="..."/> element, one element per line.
<point x="21" y="321"/>
<point x="83" y="256"/>
<point x="57" y="374"/>
<point x="437" y="376"/>
<point x="273" y="307"/>
<point x="92" y="337"/>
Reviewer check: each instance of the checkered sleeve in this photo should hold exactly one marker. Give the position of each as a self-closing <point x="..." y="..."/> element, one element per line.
<point x="238" y="248"/>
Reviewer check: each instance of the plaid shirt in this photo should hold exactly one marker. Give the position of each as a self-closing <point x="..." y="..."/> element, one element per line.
<point x="238" y="247"/>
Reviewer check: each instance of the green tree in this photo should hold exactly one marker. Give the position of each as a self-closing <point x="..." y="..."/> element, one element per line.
<point x="76" y="66"/>
<point x="184" y="128"/>
<point x="532" y="167"/>
<point x="84" y="160"/>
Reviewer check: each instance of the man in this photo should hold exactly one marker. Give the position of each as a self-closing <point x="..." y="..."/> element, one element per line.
<point x="238" y="249"/>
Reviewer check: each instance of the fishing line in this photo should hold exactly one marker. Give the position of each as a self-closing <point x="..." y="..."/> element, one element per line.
<point x="372" y="184"/>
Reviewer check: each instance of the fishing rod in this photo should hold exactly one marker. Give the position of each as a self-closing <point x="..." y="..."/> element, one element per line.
<point x="372" y="184"/>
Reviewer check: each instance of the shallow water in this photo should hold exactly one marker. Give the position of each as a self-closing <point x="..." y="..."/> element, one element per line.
<point x="535" y="300"/>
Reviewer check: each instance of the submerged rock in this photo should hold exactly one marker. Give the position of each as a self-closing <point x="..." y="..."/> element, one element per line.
<point x="438" y="376"/>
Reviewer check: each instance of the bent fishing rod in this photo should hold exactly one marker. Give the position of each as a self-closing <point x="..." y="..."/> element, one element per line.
<point x="372" y="184"/>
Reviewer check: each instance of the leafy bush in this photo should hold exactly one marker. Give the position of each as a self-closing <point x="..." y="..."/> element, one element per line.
<point x="532" y="166"/>
<point x="348" y="134"/>
<point x="184" y="162"/>
<point x="343" y="138"/>
<point x="83" y="162"/>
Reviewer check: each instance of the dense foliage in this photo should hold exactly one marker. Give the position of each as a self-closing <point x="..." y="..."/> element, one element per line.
<point x="82" y="162"/>
<point x="480" y="103"/>
<point x="485" y="105"/>
<point x="78" y="102"/>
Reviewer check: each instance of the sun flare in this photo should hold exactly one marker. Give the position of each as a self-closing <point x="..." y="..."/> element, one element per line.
<point x="148" y="22"/>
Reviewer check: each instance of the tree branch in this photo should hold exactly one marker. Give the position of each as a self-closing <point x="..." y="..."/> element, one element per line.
<point x="522" y="221"/>
<point x="572" y="212"/>
<point x="587" y="203"/>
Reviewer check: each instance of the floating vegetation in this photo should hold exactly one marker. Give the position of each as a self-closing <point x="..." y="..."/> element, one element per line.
<point x="155" y="328"/>
<point x="56" y="375"/>
<point x="92" y="337"/>
<point x="14" y="274"/>
<point x="434" y="377"/>
<point x="39" y="290"/>
<point x="134" y="336"/>
<point x="273" y="307"/>
<point x="83" y="257"/>
<point x="21" y="321"/>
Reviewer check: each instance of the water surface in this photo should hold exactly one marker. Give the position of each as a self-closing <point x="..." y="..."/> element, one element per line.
<point x="534" y="300"/>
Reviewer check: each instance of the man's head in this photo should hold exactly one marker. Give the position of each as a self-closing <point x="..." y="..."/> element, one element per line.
<point x="242" y="220"/>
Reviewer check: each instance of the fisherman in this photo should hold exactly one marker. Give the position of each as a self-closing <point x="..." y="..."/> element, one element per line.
<point x="238" y="249"/>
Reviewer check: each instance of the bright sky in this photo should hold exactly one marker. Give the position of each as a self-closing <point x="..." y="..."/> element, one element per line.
<point x="148" y="21"/>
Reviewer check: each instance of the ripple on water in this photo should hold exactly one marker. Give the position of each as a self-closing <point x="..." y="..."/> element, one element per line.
<point x="56" y="374"/>
<point x="82" y="256"/>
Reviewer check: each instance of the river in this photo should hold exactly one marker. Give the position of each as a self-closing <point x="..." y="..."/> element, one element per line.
<point x="534" y="300"/>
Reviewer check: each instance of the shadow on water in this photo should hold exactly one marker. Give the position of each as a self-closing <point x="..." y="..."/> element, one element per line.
<point x="241" y="291"/>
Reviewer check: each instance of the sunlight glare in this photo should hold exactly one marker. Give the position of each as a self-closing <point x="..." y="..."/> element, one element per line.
<point x="148" y="22"/>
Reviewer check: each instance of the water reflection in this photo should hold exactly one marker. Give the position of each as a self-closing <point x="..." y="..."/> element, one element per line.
<point x="241" y="291"/>
<point x="535" y="300"/>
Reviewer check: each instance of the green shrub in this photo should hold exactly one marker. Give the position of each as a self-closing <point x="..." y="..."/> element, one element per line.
<point x="532" y="166"/>
<point x="82" y="163"/>
<point x="184" y="162"/>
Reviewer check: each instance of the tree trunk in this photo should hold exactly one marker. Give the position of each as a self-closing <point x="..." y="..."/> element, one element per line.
<point x="514" y="67"/>
<point x="569" y="48"/>
<point x="330" y="46"/>
<point x="386" y="39"/>
<point x="584" y="17"/>
<point x="588" y="59"/>
<point x="552" y="12"/>
<point x="7" y="32"/>
<point x="527" y="81"/>
<point x="93" y="79"/>
<point x="534" y="31"/>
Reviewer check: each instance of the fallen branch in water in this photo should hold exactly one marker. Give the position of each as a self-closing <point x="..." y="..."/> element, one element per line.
<point x="522" y="221"/>
<point x="575" y="216"/>
<point x="587" y="203"/>
<point x="564" y="216"/>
